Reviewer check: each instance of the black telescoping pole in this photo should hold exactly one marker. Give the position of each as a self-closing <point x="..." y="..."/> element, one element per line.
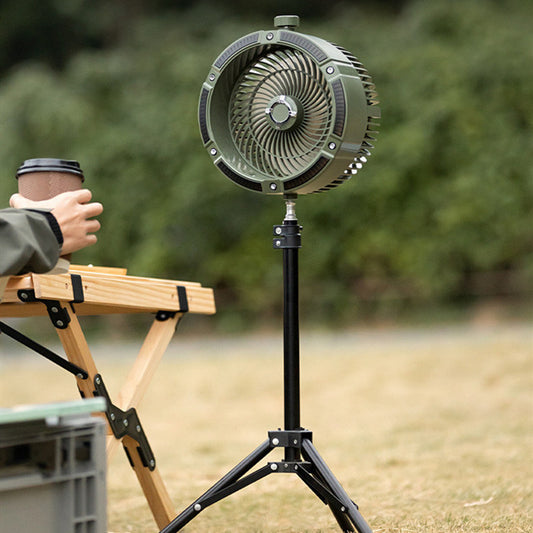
<point x="291" y="339"/>
<point x="290" y="243"/>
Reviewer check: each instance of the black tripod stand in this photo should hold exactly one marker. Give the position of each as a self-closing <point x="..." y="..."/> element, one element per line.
<point x="301" y="457"/>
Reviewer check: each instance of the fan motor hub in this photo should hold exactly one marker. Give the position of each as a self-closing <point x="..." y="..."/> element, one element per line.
<point x="284" y="112"/>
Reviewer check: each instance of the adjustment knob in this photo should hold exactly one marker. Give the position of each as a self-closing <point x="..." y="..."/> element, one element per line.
<point x="287" y="21"/>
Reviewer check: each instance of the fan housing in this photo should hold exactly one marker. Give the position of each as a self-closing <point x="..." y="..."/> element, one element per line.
<point x="282" y="112"/>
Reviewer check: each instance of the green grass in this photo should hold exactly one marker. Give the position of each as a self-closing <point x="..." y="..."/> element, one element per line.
<point x="428" y="431"/>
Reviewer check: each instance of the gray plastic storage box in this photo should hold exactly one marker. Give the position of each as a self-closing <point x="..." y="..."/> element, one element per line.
<point x="53" y="468"/>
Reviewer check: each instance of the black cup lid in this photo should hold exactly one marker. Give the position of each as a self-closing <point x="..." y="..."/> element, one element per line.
<point x="50" y="165"/>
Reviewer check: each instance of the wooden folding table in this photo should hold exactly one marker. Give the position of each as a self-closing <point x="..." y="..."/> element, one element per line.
<point x="95" y="291"/>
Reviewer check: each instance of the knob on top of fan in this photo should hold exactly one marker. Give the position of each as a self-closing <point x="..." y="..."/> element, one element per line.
<point x="282" y="112"/>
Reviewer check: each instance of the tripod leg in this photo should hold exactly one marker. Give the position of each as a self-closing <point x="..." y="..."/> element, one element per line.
<point x="337" y="490"/>
<point x="318" y="486"/>
<point x="230" y="478"/>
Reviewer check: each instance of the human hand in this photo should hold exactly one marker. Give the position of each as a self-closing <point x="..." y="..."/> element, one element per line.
<point x="74" y="213"/>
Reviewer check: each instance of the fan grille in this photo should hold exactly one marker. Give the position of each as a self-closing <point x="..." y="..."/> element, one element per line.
<point x="280" y="113"/>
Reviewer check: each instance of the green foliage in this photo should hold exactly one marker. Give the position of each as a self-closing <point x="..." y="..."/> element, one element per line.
<point x="447" y="194"/>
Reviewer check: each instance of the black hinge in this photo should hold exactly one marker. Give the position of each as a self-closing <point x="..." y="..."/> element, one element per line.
<point x="58" y="314"/>
<point x="124" y="423"/>
<point x="183" y="304"/>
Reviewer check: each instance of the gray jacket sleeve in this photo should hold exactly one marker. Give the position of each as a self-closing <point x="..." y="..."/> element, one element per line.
<point x="30" y="241"/>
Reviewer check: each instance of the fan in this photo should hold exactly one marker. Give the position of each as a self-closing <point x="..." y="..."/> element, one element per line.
<point x="285" y="113"/>
<point x="282" y="112"/>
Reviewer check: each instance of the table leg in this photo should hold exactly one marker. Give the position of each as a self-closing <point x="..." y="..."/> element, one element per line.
<point x="78" y="352"/>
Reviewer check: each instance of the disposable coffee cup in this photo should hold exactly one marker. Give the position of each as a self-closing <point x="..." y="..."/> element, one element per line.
<point x="43" y="178"/>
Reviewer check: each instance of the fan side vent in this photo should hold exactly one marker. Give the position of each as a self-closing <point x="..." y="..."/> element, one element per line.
<point x="235" y="47"/>
<point x="254" y="186"/>
<point x="373" y="113"/>
<point x="202" y="115"/>
<point x="366" y="79"/>
<point x="303" y="42"/>
<point x="340" y="107"/>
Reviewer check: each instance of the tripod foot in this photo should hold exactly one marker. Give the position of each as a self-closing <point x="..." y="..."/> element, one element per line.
<point x="230" y="483"/>
<point x="343" y="508"/>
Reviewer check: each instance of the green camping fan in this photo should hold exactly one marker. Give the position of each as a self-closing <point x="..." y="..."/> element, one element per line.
<point x="282" y="112"/>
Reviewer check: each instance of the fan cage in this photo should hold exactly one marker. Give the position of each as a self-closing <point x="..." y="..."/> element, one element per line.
<point x="289" y="81"/>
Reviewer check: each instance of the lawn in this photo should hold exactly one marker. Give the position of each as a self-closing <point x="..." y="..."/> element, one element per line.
<point x="428" y="430"/>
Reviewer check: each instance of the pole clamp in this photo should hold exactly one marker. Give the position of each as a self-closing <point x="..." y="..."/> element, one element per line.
<point x="287" y="236"/>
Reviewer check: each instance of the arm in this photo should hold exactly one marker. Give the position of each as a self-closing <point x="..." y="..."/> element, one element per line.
<point x="27" y="242"/>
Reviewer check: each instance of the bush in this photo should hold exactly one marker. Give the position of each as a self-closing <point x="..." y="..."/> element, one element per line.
<point x="448" y="193"/>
